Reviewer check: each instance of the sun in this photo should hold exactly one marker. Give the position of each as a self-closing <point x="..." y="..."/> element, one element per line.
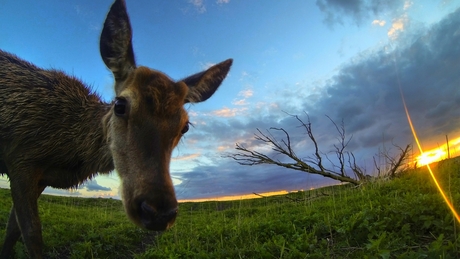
<point x="431" y="156"/>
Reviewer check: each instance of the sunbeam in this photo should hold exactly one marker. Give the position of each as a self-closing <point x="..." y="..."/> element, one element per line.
<point x="424" y="155"/>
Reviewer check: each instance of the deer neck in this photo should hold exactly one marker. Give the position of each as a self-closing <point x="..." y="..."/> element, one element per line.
<point x="94" y="139"/>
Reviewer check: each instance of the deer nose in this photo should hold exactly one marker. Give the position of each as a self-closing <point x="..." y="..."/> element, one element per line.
<point x="155" y="219"/>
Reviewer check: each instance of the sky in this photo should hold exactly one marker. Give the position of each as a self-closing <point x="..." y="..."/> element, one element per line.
<point x="344" y="59"/>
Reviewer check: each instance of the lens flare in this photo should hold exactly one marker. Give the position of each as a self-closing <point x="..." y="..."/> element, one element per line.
<point x="426" y="157"/>
<point x="431" y="156"/>
<point x="442" y="152"/>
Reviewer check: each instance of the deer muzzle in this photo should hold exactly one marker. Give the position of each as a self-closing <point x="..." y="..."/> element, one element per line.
<point x="156" y="218"/>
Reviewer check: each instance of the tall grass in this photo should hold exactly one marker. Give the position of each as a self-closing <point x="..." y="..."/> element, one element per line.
<point x="401" y="218"/>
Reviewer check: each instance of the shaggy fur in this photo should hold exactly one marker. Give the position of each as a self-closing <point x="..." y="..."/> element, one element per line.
<point x="54" y="131"/>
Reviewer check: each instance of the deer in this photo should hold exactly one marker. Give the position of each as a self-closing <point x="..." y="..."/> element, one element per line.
<point x="56" y="131"/>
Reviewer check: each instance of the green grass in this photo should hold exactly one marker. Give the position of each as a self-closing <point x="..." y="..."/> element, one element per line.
<point x="402" y="218"/>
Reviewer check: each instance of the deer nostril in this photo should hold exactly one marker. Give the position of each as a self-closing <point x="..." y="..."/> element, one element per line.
<point x="147" y="209"/>
<point x="172" y="214"/>
<point x="154" y="219"/>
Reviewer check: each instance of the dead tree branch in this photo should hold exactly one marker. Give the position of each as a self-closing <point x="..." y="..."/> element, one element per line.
<point x="311" y="164"/>
<point x="395" y="162"/>
<point x="340" y="169"/>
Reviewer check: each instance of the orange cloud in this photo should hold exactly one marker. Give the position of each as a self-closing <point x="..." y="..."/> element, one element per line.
<point x="186" y="157"/>
<point x="379" y="22"/>
<point x="227" y="112"/>
<point x="396" y="28"/>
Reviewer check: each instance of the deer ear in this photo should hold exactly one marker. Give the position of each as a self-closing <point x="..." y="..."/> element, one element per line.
<point x="204" y="84"/>
<point x="116" y="44"/>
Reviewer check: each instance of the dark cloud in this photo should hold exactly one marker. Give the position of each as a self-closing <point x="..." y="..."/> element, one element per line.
<point x="339" y="11"/>
<point x="230" y="179"/>
<point x="92" y="185"/>
<point x="226" y="177"/>
<point x="61" y="192"/>
<point x="364" y="93"/>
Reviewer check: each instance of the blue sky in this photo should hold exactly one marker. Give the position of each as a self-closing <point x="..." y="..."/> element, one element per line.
<point x="344" y="59"/>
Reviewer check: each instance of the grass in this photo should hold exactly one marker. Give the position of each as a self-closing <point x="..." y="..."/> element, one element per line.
<point x="402" y="218"/>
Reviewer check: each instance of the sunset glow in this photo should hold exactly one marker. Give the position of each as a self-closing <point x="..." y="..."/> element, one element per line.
<point x="423" y="155"/>
<point x="431" y="156"/>
<point x="237" y="197"/>
<point x="440" y="153"/>
<point x="341" y="66"/>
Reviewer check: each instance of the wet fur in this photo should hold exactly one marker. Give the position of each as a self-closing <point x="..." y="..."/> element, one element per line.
<point x="43" y="105"/>
<point x="54" y="131"/>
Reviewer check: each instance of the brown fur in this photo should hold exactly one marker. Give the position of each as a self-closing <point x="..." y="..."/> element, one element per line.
<point x="54" y="131"/>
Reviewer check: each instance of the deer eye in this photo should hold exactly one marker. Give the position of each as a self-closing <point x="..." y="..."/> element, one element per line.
<point x="185" y="128"/>
<point x="120" y="106"/>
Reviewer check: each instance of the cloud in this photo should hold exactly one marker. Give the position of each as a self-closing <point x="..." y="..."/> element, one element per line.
<point x="407" y="4"/>
<point x="199" y="5"/>
<point x="244" y="74"/>
<point x="379" y="22"/>
<point x="245" y="94"/>
<point x="213" y="181"/>
<point x="92" y="185"/>
<point x="338" y="11"/>
<point x="84" y="15"/>
<point x="206" y="65"/>
<point x="229" y="112"/>
<point x="240" y="102"/>
<point x="397" y="27"/>
<point x="61" y="192"/>
<point x="364" y="93"/>
<point x="186" y="157"/>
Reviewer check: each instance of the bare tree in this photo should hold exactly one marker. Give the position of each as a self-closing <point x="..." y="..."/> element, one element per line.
<point x="313" y="164"/>
<point x="395" y="164"/>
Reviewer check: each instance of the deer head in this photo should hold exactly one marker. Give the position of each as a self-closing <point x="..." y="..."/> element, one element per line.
<point x="146" y="122"/>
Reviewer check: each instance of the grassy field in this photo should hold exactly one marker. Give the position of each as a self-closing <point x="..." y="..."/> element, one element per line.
<point x="402" y="218"/>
